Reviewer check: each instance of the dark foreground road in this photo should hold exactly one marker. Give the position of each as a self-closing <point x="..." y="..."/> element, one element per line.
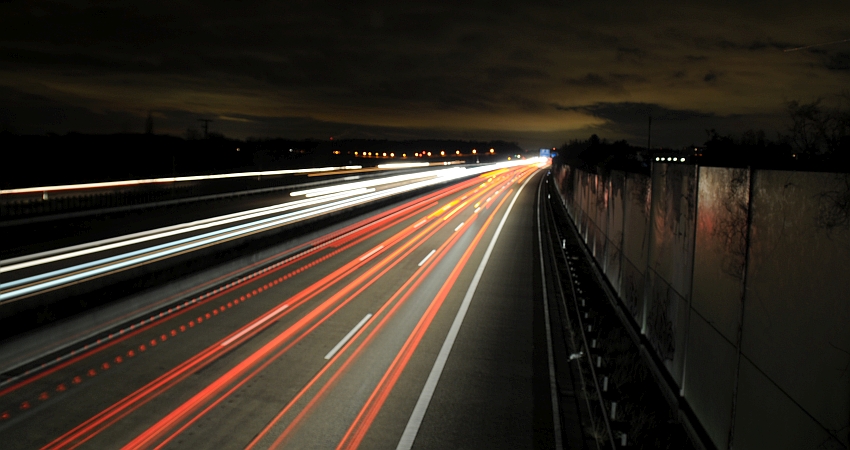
<point x="419" y="327"/>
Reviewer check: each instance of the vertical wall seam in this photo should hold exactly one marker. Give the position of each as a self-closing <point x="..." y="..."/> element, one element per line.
<point x="691" y="293"/>
<point x="649" y="253"/>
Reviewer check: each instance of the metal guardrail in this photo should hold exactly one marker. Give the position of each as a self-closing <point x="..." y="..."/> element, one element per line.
<point x="582" y="348"/>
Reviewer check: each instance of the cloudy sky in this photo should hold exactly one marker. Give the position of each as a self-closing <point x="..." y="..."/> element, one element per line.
<point x="538" y="73"/>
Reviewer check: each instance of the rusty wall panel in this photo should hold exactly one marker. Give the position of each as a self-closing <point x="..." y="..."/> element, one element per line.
<point x="797" y="307"/>
<point x="581" y="193"/>
<point x="674" y="197"/>
<point x="592" y="213"/>
<point x="613" y="266"/>
<point x="601" y="218"/>
<point x="719" y="257"/>
<point x="637" y="202"/>
<point x="585" y="205"/>
<point x="666" y="324"/>
<point x="670" y="263"/>
<point x="720" y="247"/>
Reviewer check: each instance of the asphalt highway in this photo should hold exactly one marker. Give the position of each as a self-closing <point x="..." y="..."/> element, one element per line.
<point x="417" y="327"/>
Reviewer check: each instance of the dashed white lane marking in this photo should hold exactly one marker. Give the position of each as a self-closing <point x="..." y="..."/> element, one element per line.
<point x="374" y="250"/>
<point x="348" y="336"/>
<point x="426" y="258"/>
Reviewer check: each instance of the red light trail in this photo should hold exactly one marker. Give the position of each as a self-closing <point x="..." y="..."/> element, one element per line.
<point x="382" y="250"/>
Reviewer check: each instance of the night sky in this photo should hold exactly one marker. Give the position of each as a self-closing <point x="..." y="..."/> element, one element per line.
<point x="537" y="73"/>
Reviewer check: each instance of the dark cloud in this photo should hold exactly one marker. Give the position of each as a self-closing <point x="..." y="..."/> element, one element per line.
<point x="630" y="55"/>
<point x="614" y="82"/>
<point x="670" y="127"/>
<point x="458" y="68"/>
<point x="36" y="114"/>
<point x="839" y="61"/>
<point x="590" y="80"/>
<point x="770" y="45"/>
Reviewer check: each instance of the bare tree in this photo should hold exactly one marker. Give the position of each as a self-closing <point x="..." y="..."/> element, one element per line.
<point x="820" y="130"/>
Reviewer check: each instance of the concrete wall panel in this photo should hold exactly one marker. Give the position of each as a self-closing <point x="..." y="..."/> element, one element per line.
<point x="673" y="224"/>
<point x="710" y="378"/>
<point x="768" y="419"/>
<point x="616" y="209"/>
<point x="666" y="324"/>
<point x="637" y="201"/>
<point x="720" y="247"/>
<point x="682" y="248"/>
<point x="797" y="304"/>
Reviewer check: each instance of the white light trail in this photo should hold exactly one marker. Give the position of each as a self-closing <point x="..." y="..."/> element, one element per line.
<point x="402" y="165"/>
<point x="370" y="183"/>
<point x="10" y="265"/>
<point x="56" y="278"/>
<point x="108" y="184"/>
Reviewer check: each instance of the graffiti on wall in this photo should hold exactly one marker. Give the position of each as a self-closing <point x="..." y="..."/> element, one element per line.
<point x="731" y="228"/>
<point x="834" y="204"/>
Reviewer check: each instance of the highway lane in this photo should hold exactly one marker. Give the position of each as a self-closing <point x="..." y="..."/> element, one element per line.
<point x="262" y="361"/>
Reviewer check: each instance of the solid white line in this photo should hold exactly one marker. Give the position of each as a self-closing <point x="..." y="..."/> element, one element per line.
<point x="458" y="227"/>
<point x="415" y="421"/>
<point x="426" y="258"/>
<point x="255" y="325"/>
<point x="348" y="336"/>
<point x="375" y="250"/>
<point x="553" y="385"/>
